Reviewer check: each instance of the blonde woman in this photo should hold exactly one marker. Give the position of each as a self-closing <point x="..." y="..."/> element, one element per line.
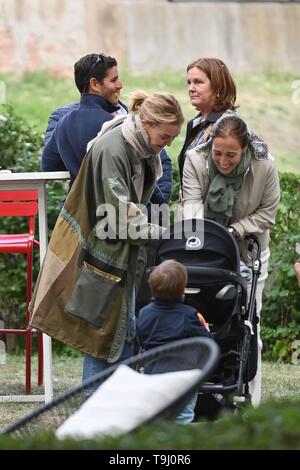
<point x="85" y="293"/>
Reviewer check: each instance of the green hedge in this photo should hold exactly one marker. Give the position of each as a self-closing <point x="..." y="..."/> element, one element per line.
<point x="275" y="425"/>
<point x="281" y="304"/>
<point x="20" y="149"/>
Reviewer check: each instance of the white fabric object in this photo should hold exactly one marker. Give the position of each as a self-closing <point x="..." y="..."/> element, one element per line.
<point x="126" y="400"/>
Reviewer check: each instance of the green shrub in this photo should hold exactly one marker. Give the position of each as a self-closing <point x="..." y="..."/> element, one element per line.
<point x="20" y="149"/>
<point x="274" y="425"/>
<point x="281" y="305"/>
<point x="19" y="143"/>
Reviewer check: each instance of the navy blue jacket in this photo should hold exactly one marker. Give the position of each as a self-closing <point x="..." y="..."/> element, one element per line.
<point x="66" y="147"/>
<point x="52" y="161"/>
<point x="161" y="322"/>
<point x="163" y="189"/>
<point x="55" y="116"/>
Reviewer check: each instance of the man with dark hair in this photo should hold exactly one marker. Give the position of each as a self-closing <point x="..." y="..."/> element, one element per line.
<point x="65" y="145"/>
<point x="71" y="127"/>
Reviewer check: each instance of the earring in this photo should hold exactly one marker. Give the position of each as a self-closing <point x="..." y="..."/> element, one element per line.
<point x="218" y="95"/>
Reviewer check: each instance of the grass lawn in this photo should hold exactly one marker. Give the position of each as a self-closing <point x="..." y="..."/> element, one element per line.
<point x="279" y="381"/>
<point x="265" y="102"/>
<point x="66" y="373"/>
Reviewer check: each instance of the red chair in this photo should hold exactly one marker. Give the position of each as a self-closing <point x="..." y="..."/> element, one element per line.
<point x="24" y="204"/>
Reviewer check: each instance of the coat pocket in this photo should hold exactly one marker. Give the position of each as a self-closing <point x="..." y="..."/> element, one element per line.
<point x="94" y="296"/>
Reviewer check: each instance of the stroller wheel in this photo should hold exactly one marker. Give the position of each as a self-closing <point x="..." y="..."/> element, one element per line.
<point x="239" y="402"/>
<point x="209" y="406"/>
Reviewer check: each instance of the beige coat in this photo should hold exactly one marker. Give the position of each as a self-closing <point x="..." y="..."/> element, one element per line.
<point x="256" y="205"/>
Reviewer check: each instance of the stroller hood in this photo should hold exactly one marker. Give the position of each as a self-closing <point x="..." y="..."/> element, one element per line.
<point x="202" y="243"/>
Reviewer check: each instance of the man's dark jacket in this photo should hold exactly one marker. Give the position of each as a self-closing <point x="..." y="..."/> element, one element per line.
<point x="66" y="147"/>
<point x="53" y="161"/>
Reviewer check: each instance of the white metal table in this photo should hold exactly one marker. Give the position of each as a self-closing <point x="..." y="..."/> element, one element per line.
<point x="36" y="180"/>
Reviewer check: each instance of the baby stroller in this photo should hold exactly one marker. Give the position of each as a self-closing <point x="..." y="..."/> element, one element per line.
<point x="218" y="289"/>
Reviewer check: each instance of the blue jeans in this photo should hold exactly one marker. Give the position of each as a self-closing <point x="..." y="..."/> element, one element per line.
<point x="188" y="413"/>
<point x="92" y="365"/>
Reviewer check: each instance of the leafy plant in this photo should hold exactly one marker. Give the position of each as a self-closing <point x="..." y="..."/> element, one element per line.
<point x="281" y="305"/>
<point x="272" y="426"/>
<point x="20" y="144"/>
<point x="20" y="149"/>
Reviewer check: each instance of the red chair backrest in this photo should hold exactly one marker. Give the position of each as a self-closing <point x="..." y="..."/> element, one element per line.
<point x="18" y="203"/>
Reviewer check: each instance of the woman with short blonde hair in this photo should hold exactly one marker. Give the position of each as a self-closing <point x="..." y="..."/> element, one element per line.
<point x="85" y="293"/>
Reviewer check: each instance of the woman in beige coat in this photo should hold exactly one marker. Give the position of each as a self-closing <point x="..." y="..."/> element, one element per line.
<point x="234" y="181"/>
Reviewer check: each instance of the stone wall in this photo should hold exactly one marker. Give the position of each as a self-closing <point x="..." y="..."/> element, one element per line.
<point x="147" y="35"/>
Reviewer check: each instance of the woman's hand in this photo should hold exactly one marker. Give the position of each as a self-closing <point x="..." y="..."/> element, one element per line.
<point x="234" y="233"/>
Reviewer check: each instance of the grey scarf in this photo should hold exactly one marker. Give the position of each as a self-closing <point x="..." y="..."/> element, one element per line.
<point x="137" y="136"/>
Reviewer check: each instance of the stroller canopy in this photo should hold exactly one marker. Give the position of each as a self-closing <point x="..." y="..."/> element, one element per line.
<point x="202" y="243"/>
